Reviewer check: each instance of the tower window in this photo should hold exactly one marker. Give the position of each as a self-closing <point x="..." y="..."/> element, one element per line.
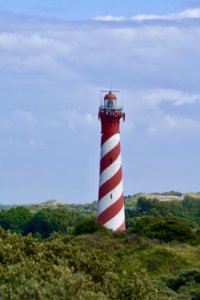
<point x="110" y="104"/>
<point x="110" y="196"/>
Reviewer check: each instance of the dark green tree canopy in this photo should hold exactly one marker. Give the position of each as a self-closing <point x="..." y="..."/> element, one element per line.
<point x="15" y="219"/>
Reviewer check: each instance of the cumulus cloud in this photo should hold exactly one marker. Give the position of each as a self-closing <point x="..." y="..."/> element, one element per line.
<point x="163" y="111"/>
<point x="62" y="67"/>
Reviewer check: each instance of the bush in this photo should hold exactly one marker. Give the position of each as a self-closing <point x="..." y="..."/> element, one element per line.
<point x="90" y="225"/>
<point x="164" y="229"/>
<point x="191" y="276"/>
<point x="34" y="269"/>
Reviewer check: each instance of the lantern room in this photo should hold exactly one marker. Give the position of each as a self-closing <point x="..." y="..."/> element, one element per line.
<point x="110" y="101"/>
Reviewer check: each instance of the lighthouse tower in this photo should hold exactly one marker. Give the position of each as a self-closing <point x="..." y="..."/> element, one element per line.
<point x="111" y="199"/>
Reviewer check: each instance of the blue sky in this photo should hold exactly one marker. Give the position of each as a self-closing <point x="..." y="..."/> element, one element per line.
<point x="52" y="70"/>
<point x="84" y="10"/>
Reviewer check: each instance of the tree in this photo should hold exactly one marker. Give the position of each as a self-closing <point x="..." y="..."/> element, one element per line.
<point x="15" y="219"/>
<point x="49" y="220"/>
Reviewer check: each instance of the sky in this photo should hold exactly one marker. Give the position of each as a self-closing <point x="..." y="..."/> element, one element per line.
<point x="56" y="57"/>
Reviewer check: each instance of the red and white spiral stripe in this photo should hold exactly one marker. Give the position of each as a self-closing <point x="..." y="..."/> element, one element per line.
<point x="111" y="199"/>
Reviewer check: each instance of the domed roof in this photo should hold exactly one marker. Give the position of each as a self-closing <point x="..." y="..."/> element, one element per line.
<point x="110" y="96"/>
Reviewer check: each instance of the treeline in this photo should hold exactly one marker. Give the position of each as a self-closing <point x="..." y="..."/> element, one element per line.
<point x="186" y="210"/>
<point x="41" y="224"/>
<point x="179" y="220"/>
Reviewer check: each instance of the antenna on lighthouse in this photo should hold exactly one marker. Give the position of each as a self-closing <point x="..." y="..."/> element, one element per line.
<point x="110" y="91"/>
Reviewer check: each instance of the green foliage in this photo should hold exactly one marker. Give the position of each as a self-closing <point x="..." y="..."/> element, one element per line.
<point x="164" y="229"/>
<point x="64" y="253"/>
<point x="46" y="221"/>
<point x="41" y="280"/>
<point x="33" y="269"/>
<point x="90" y="225"/>
<point x="187" y="282"/>
<point x="154" y="207"/>
<point x="183" y="279"/>
<point x="187" y="210"/>
<point x="15" y="219"/>
<point x="96" y="266"/>
<point x="162" y="260"/>
<point x="88" y="209"/>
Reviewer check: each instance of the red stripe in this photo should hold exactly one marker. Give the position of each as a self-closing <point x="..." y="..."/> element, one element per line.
<point x="110" y="184"/>
<point x="105" y="137"/>
<point x="111" y="211"/>
<point x="109" y="158"/>
<point x="121" y="227"/>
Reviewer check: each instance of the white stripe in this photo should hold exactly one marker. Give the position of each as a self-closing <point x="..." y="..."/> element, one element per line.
<point x="107" y="201"/>
<point x="117" y="221"/>
<point x="110" y="144"/>
<point x="110" y="171"/>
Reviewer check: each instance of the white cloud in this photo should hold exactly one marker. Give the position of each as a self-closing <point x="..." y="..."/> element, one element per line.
<point x="63" y="67"/>
<point x="186" y="14"/>
<point x="156" y="97"/>
<point x="95" y="54"/>
<point x="110" y="18"/>
<point x="173" y="124"/>
<point x="148" y="112"/>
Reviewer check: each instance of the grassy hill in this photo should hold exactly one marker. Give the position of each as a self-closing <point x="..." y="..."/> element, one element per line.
<point x="46" y="204"/>
<point x="91" y="208"/>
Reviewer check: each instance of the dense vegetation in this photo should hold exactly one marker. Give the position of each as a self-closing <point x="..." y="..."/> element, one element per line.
<point x="63" y="253"/>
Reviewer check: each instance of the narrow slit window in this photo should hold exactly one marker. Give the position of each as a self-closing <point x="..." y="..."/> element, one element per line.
<point x="110" y="196"/>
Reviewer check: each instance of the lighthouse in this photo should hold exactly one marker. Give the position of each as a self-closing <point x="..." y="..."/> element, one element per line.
<point x="111" y="200"/>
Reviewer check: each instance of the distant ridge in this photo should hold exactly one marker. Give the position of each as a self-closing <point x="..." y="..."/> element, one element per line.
<point x="54" y="203"/>
<point x="46" y="204"/>
<point x="167" y="196"/>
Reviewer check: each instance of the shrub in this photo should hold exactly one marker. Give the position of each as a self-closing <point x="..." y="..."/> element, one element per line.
<point x="164" y="229"/>
<point x="90" y="225"/>
<point x="191" y="276"/>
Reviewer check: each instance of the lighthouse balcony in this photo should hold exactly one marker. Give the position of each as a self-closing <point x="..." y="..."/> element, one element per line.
<point x="117" y="114"/>
<point x="104" y="108"/>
